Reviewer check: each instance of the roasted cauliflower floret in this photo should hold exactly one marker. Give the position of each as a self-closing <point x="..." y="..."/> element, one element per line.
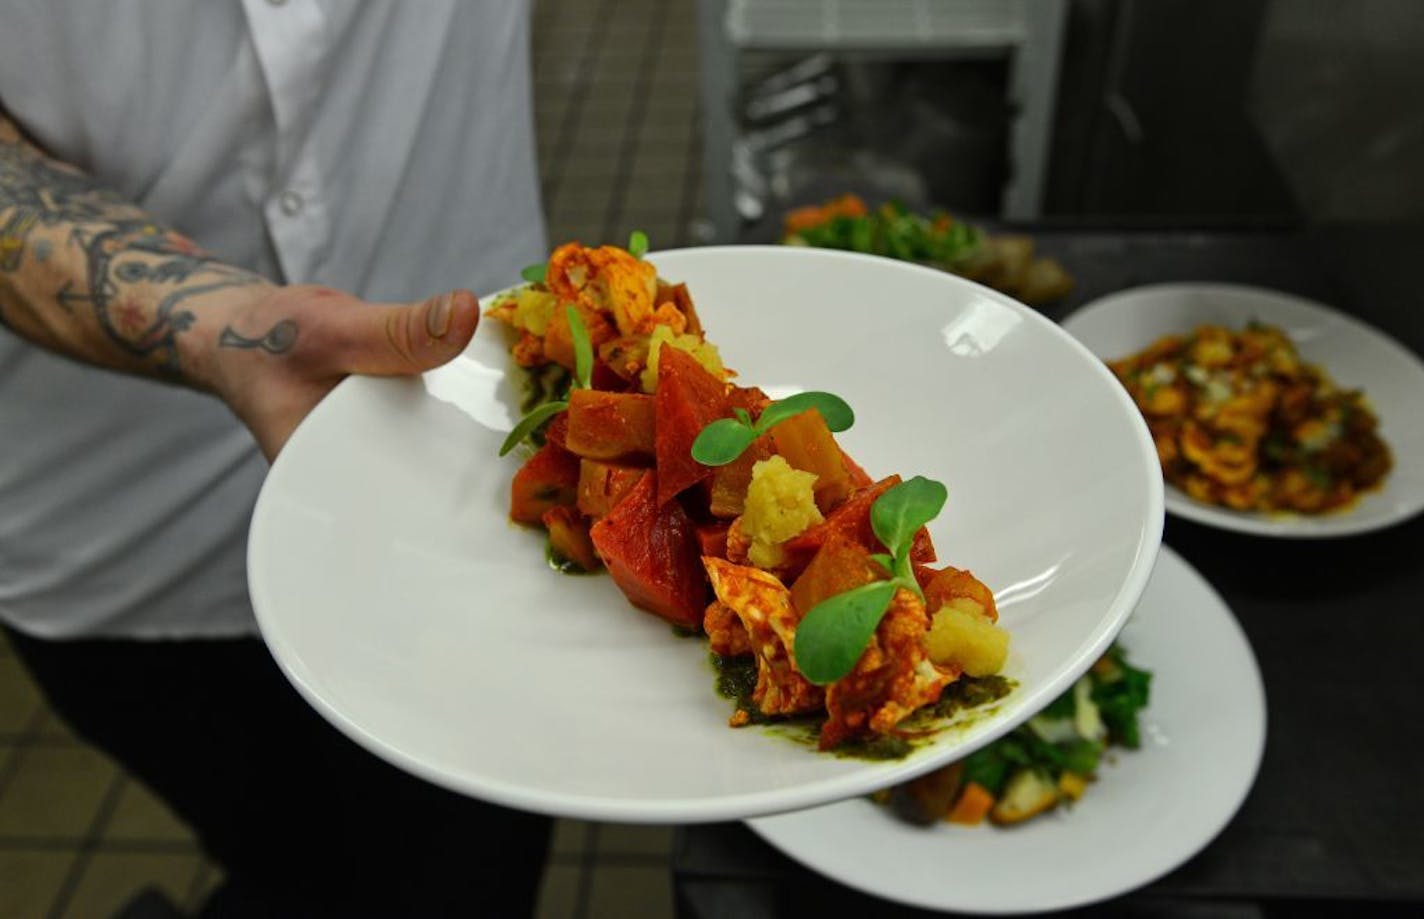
<point x="663" y="336"/>
<point x="764" y="606"/>
<point x="892" y="678"/>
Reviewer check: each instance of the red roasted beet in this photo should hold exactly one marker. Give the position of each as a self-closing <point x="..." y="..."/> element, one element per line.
<point x="549" y="479"/>
<point x="688" y="398"/>
<point x="852" y="519"/>
<point x="712" y="538"/>
<point x="652" y="551"/>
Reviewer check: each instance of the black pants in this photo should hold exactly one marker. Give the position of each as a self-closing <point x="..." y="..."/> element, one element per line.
<point x="305" y="822"/>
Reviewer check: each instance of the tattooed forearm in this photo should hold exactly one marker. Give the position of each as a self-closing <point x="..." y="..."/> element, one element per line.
<point x="86" y="272"/>
<point x="278" y="340"/>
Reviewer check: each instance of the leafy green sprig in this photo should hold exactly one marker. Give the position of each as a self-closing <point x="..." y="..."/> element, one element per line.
<point x="727" y="438"/>
<point x="834" y="633"/>
<point x="583" y="373"/>
<point x="539" y="273"/>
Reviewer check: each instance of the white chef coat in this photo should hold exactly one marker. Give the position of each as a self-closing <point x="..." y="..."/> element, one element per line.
<point x="381" y="147"/>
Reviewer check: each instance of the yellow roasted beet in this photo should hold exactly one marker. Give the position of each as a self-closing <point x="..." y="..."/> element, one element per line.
<point x="807" y="444"/>
<point x="961" y="634"/>
<point x="780" y="504"/>
<point x="840" y="564"/>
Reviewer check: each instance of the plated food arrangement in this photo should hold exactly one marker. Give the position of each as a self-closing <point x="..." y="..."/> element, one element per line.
<point x="1047" y="762"/>
<point x="402" y="603"/>
<point x="1202" y="738"/>
<point x="1241" y="420"/>
<point x="1271" y="414"/>
<point x="730" y="514"/>
<point x="1003" y="261"/>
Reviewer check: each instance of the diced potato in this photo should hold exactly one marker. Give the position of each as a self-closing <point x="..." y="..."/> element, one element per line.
<point x="781" y="503"/>
<point x="961" y="634"/>
<point x="1027" y="794"/>
<point x="1072" y="785"/>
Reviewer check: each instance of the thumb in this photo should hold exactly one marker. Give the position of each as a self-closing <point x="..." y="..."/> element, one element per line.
<point x="395" y="339"/>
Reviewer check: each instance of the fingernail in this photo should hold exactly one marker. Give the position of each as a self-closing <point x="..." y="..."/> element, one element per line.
<point x="437" y="318"/>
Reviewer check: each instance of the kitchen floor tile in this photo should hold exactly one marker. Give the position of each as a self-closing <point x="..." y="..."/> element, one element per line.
<point x="30" y="880"/>
<point x="55" y="792"/>
<point x="559" y="892"/>
<point x="618" y="891"/>
<point x="111" y="879"/>
<point x="139" y="816"/>
<point x="19" y="699"/>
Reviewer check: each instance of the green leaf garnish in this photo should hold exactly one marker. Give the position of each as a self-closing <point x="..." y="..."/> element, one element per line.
<point x="834" y="410"/>
<point x="638" y="244"/>
<point x="721" y="442"/>
<point x="530" y="423"/>
<point x="583" y="349"/>
<point x="897" y="515"/>
<point x="833" y="635"/>
<point x="583" y="372"/>
<point x="535" y="274"/>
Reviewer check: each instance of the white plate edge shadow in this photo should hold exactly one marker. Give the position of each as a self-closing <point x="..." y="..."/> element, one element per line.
<point x="592" y="807"/>
<point x="1016" y="898"/>
<point x="1281" y="526"/>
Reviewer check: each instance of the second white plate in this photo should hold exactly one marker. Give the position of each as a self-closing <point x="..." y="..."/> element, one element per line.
<point x="1355" y="355"/>
<point x="1151" y="809"/>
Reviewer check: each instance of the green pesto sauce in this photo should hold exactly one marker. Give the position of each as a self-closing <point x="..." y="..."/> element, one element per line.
<point x="549" y="383"/>
<point x="737" y="680"/>
<point x="972" y="692"/>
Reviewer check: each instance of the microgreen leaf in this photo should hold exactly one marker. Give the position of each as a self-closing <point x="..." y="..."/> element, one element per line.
<point x="638" y="244"/>
<point x="897" y="515"/>
<point x="583" y="349"/>
<point x="535" y="274"/>
<point x="722" y="441"/>
<point x="530" y="423"/>
<point x="834" y="410"/>
<point x="835" y="632"/>
<point x="884" y="560"/>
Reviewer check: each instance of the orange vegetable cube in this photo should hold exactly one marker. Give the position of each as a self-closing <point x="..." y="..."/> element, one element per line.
<point x="652" y="552"/>
<point x="549" y="479"/>
<point x="602" y="485"/>
<point x="807" y="444"/>
<point x="688" y="399"/>
<point x="568" y="537"/>
<point x="607" y="425"/>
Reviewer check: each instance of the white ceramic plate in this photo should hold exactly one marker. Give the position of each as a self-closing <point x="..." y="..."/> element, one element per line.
<point x="1354" y="354"/>
<point x="1150" y="810"/>
<point x="398" y="598"/>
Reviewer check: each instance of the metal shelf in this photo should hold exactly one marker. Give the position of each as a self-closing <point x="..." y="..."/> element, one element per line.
<point x="886" y="26"/>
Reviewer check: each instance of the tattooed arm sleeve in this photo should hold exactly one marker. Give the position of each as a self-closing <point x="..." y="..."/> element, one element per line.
<point x="91" y="276"/>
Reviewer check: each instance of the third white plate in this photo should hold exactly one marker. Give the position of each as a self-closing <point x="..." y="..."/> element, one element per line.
<point x="1356" y="356"/>
<point x="1150" y="810"/>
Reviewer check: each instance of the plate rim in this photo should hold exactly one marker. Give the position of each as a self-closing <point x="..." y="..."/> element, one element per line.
<point x="1282" y="526"/>
<point x="745" y="804"/>
<point x="1251" y="761"/>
